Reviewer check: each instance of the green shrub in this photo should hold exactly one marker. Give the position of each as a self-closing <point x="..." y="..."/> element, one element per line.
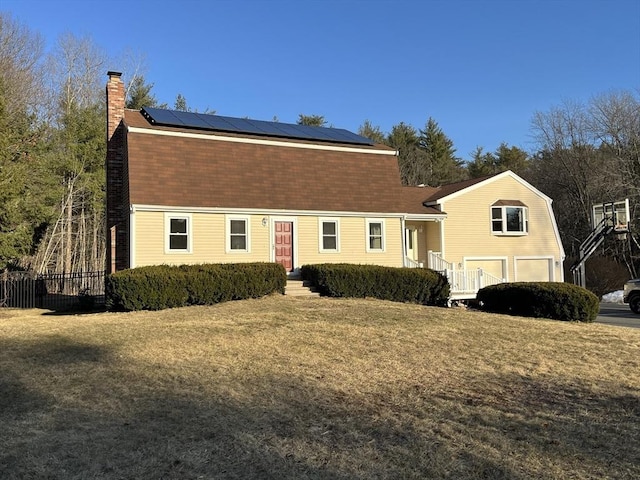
<point x="414" y="285"/>
<point x="559" y="301"/>
<point x="165" y="286"/>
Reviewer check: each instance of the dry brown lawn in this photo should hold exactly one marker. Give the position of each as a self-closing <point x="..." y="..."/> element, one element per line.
<point x="316" y="388"/>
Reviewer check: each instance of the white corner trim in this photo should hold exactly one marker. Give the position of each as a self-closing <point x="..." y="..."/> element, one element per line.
<point x="255" y="141"/>
<point x="556" y="231"/>
<point x="132" y="237"/>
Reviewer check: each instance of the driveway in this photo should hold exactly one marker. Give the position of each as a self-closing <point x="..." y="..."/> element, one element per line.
<point x="618" y="314"/>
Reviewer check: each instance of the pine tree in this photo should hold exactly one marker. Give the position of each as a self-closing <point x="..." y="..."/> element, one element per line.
<point x="371" y="132"/>
<point x="139" y="94"/>
<point x="411" y="159"/>
<point x="442" y="165"/>
<point x="312" y="120"/>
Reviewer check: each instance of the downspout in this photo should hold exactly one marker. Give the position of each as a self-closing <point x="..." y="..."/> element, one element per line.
<point x="443" y="252"/>
<point x="404" y="243"/>
<point x="132" y="236"/>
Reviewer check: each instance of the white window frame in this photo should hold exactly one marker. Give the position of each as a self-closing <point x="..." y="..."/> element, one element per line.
<point x="383" y="239"/>
<point x="321" y="235"/>
<point x="247" y="221"/>
<point x="503" y="220"/>
<point x="168" y="216"/>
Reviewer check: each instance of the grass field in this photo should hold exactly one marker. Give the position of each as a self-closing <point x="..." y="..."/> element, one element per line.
<point x="316" y="388"/>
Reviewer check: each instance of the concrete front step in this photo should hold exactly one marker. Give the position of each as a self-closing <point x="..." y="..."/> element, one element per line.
<point x="299" y="288"/>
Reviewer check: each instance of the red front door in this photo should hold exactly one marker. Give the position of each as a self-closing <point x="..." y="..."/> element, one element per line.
<point x="284" y="244"/>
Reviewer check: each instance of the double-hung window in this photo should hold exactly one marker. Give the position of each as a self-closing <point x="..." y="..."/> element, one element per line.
<point x="375" y="235"/>
<point x="238" y="234"/>
<point x="509" y="217"/>
<point x="177" y="233"/>
<point x="329" y="238"/>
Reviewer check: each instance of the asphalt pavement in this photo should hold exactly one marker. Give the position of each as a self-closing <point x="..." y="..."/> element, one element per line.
<point x="618" y="314"/>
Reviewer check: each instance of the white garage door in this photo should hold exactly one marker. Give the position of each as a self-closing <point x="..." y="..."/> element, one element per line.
<point x="533" y="269"/>
<point x="492" y="267"/>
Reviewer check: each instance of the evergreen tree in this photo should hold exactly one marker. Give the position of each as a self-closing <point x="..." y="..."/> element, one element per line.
<point x="139" y="94"/>
<point x="312" y="120"/>
<point x="483" y="164"/>
<point x="411" y="159"/>
<point x="23" y="214"/>
<point x="442" y="165"/>
<point x="181" y="104"/>
<point x="511" y="158"/>
<point x="371" y="132"/>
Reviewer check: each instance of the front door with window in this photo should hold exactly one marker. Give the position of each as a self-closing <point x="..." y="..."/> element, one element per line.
<point x="411" y="243"/>
<point x="284" y="244"/>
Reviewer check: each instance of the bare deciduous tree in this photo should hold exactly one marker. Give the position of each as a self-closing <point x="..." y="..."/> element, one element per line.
<point x="590" y="154"/>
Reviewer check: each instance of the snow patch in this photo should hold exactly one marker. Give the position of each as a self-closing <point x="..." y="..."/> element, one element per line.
<point x="613" y="297"/>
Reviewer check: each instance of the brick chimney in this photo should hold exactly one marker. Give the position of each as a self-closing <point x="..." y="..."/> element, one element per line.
<point x="115" y="102"/>
<point x="117" y="203"/>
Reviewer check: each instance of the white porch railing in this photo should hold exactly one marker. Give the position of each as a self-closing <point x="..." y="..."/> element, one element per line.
<point x="436" y="262"/>
<point x="468" y="282"/>
<point x="464" y="283"/>
<point x="411" y="263"/>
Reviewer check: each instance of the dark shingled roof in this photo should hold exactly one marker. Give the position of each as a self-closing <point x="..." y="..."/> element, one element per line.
<point x="440" y="192"/>
<point x="200" y="172"/>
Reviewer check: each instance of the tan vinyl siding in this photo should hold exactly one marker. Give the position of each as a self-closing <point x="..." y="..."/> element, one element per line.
<point x="353" y="241"/>
<point x="208" y="240"/>
<point x="432" y="233"/>
<point x="468" y="226"/>
<point x="209" y="232"/>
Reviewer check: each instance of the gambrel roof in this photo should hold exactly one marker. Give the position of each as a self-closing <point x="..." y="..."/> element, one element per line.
<point x="180" y="166"/>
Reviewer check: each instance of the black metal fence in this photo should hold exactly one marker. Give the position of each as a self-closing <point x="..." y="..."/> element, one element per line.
<point x="57" y="291"/>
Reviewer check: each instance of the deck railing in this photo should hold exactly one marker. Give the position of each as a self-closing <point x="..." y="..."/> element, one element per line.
<point x="468" y="282"/>
<point x="464" y="283"/>
<point x="436" y="262"/>
<point x="411" y="263"/>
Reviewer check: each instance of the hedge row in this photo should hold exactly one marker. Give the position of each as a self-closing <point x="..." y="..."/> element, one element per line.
<point x="414" y="285"/>
<point x="560" y="301"/>
<point x="165" y="286"/>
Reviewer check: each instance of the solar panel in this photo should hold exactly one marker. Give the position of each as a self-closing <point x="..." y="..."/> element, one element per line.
<point x="239" y="125"/>
<point x="191" y="119"/>
<point x="267" y="128"/>
<point x="217" y="123"/>
<point x="158" y="116"/>
<point x="174" y="118"/>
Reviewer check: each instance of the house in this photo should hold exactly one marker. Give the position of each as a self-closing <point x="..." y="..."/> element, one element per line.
<point x="498" y="228"/>
<point x="184" y="187"/>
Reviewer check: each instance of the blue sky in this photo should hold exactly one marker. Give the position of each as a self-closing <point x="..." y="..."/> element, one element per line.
<point x="480" y="68"/>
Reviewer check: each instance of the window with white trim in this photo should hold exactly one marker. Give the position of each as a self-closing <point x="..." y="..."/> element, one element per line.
<point x="509" y="220"/>
<point x="177" y="233"/>
<point x="375" y="235"/>
<point x="238" y="239"/>
<point x="329" y="238"/>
